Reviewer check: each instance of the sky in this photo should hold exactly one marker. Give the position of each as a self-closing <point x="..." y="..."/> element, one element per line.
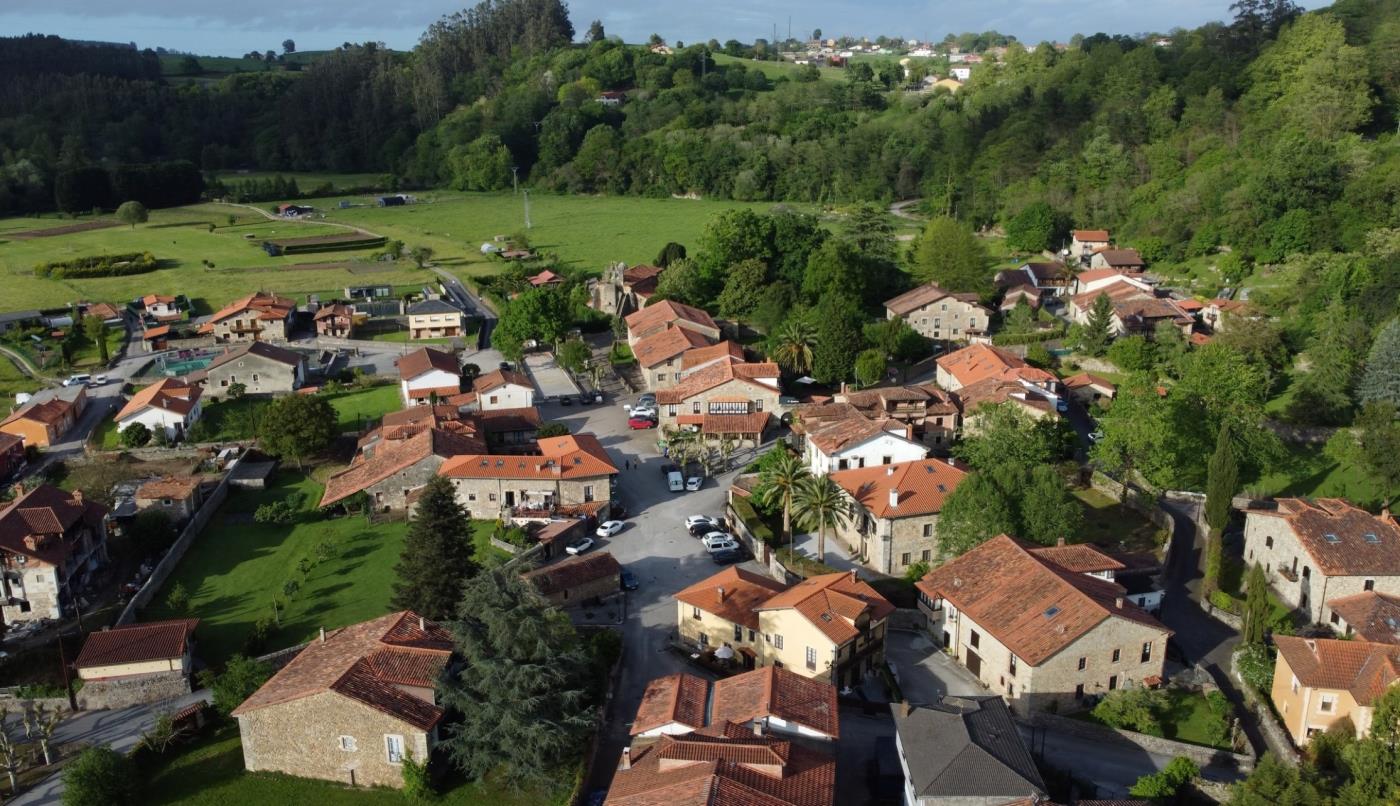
<point x="218" y="27"/>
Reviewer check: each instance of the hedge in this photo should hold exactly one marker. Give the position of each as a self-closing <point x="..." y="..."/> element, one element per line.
<point x="98" y="266"/>
<point x="745" y="511"/>
<point x="1031" y="337"/>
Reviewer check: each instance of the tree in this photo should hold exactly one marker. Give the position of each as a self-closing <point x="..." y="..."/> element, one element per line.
<point x="437" y="557"/>
<point x="241" y="677"/>
<point x="523" y="688"/>
<point x="132" y="213"/>
<point x="870" y="367"/>
<point x="791" y="346"/>
<point x="819" y="503"/>
<point x="1045" y="509"/>
<point x="1098" y="330"/>
<point x="10" y="757"/>
<point x="1138" y="709"/>
<point x="595" y="32"/>
<point x="151" y="532"/>
<point x="237" y="390"/>
<point x="681" y="282"/>
<point x="1133" y="354"/>
<point x="1256" y="606"/>
<point x="1034" y="229"/>
<point x="288" y="46"/>
<point x="868" y="229"/>
<point x="1381" y="380"/>
<point x="573" y="355"/>
<point x="973" y="513"/>
<point x="895" y="338"/>
<point x="178" y="600"/>
<point x="1378" y="438"/>
<point x="816" y="33"/>
<point x="45" y="720"/>
<point x="838" y="338"/>
<point x="672" y="252"/>
<point x="552" y="430"/>
<point x="95" y="329"/>
<point x="779" y="482"/>
<point x="421" y="255"/>
<point x="1166" y="784"/>
<point x="1222" y="481"/>
<point x="540" y="314"/>
<point x="136" y="435"/>
<point x="949" y="254"/>
<point x="1003" y="434"/>
<point x="297" y="426"/>
<point x="100" y="776"/>
<point x="191" y="66"/>
<point x="743" y="289"/>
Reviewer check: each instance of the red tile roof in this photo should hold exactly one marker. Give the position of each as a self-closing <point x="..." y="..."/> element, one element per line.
<point x="1079" y="558"/>
<point x="734" y="768"/>
<point x="675" y="698"/>
<point x="733" y="594"/>
<point x="772" y="691"/>
<point x="755" y="422"/>
<point x="833" y="603"/>
<point x="988" y="391"/>
<point x="1360" y="667"/>
<point x="425" y="360"/>
<point x="155" y="332"/>
<point x="568" y="457"/>
<point x="1342" y="539"/>
<point x="928" y="293"/>
<point x="1031" y="605"/>
<point x="839" y="433"/>
<point x="267" y="306"/>
<point x="979" y="362"/>
<point x="391" y="456"/>
<point x="1372" y="615"/>
<point x="575" y="571"/>
<point x="498" y="378"/>
<point x="1091" y="235"/>
<point x="667" y="344"/>
<point x="1121" y="257"/>
<point x="666" y="313"/>
<point x="136" y="643"/>
<point x="1084" y="379"/>
<point x="708" y="378"/>
<point x="921" y="486"/>
<point x="366" y="662"/>
<point x="700" y="356"/>
<point x="37" y="524"/>
<point x="169" y="394"/>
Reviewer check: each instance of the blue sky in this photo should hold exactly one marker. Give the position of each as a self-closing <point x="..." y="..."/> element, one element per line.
<point x="223" y="28"/>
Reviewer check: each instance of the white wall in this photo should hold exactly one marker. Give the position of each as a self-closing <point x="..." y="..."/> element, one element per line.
<point x="866" y="454"/>
<point x="507" y="396"/>
<point x="154" y="418"/>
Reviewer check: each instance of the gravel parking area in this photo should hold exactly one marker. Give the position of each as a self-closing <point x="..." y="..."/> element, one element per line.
<point x="550" y="379"/>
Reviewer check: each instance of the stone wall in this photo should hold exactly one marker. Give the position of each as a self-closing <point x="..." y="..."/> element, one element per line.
<point x="120" y="692"/>
<point x="10" y="704"/>
<point x="1203" y="756"/>
<point x="1274" y="734"/>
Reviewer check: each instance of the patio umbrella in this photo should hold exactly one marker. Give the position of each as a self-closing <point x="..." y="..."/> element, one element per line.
<point x="724" y="653"/>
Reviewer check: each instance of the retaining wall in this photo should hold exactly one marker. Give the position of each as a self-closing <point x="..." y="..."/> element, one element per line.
<point x="1274" y="735"/>
<point x="121" y="692"/>
<point x="1203" y="756"/>
<point x="10" y="704"/>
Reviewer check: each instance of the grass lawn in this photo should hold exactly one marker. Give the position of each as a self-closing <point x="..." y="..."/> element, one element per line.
<point x="229" y="420"/>
<point x="783" y="69"/>
<point x="1305" y="470"/>
<point x="210" y="773"/>
<point x="360" y="406"/>
<point x="106" y="437"/>
<point x="1115" y="526"/>
<point x="87" y="355"/>
<point x="12" y="381"/>
<point x="486" y="554"/>
<point x="237" y="567"/>
<point x="1188" y="718"/>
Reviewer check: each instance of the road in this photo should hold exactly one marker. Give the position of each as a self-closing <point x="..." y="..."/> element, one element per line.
<point x="103" y="402"/>
<point x="470" y="303"/>
<point x="119" y="729"/>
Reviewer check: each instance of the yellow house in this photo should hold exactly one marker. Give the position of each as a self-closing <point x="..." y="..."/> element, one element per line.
<point x="137" y="649"/>
<point x="1319" y="682"/>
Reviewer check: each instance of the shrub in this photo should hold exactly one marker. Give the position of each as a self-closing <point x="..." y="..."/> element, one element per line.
<point x="178" y="600"/>
<point x="1027" y="337"/>
<point x="552" y="430"/>
<point x="1165" y="785"/>
<point x="416" y="781"/>
<point x="1224" y="601"/>
<point x="100" y="776"/>
<point x="240" y="678"/>
<point x="136" y="435"/>
<point x="1136" y="709"/>
<point x="98" y="266"/>
<point x="284" y="511"/>
<point x="1256" y="665"/>
<point x="237" y="390"/>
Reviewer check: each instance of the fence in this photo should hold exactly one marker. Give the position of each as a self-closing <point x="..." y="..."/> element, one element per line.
<point x="177" y="552"/>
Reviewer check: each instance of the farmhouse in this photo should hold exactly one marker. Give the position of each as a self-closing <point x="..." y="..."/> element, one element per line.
<point x="503" y="389"/>
<point x="857" y="441"/>
<point x="1083" y="243"/>
<point x="931" y="413"/>
<point x="698" y="358"/>
<point x="1039" y="279"/>
<point x="262" y="369"/>
<point x="662" y="354"/>
<point x="179" y="497"/>
<point x="1321" y="550"/>
<point x="1219" y="313"/>
<point x="435" y="319"/>
<point x="1119" y="259"/>
<point x="938" y="314"/>
<point x="1134" y="310"/>
<point x="982" y="361"/>
<point x="894" y="511"/>
<point x="389" y="470"/>
<point x="733" y="401"/>
<point x="1087" y="388"/>
<point x="48" y="415"/>
<point x="1323" y="682"/>
<point x="1032" y="401"/>
<point x="256" y="317"/>
<point x="171" y="405"/>
<point x="351" y="705"/>
<point x="162" y="307"/>
<point x="567" y="475"/>
<point x="1372" y="616"/>
<point x="1038" y="632"/>
<point x="50" y="543"/>
<point x="426" y="374"/>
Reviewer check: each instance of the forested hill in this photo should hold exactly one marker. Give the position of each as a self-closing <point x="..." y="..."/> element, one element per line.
<point x="1273" y="133"/>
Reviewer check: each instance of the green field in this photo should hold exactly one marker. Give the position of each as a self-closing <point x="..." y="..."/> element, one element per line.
<point x="230" y="420"/>
<point x="1305" y="470"/>
<point x="237" y="567"/>
<point x="12" y="381"/>
<point x="210" y="773"/>
<point x="783" y="69"/>
<point x="1114" y="526"/>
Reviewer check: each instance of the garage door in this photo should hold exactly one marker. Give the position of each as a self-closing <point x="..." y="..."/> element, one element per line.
<point x="974" y="663"/>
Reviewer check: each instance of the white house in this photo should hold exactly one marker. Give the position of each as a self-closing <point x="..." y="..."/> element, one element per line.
<point x="172" y="405"/>
<point x="857" y="441"/>
<point x="1083" y="242"/>
<point x="503" y="389"/>
<point x="426" y="372"/>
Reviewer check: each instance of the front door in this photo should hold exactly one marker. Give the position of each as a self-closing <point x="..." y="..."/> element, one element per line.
<point x="974" y="664"/>
<point x="510" y="498"/>
<point x="947" y="640"/>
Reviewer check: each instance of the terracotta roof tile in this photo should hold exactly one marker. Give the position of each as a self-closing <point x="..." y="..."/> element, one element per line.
<point x="666" y="344"/>
<point x="574" y="456"/>
<point x="1031" y="605"/>
<point x="1079" y="558"/>
<point x="700" y="356"/>
<point x="678" y="698"/>
<point x="1360" y="667"/>
<point x="979" y="362"/>
<point x="169" y="394"/>
<point x="772" y="691"/>
<point x="666" y="313"/>
<point x="712" y="376"/>
<point x="1084" y="379"/>
<point x="1091" y="235"/>
<point x="575" y="571"/>
<point x="425" y="360"/>
<point x="832" y="603"/>
<point x="136" y="643"/>
<point x="1342" y="539"/>
<point x="731" y="769"/>
<point x="733" y="594"/>
<point x="925" y="294"/>
<point x="498" y="378"/>
<point x="392" y="456"/>
<point x="922" y="486"/>
<point x="1372" y="615"/>
<point x="46" y="514"/>
<point x="267" y="306"/>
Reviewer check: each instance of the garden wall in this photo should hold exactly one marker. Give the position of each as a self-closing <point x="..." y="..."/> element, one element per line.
<point x="177" y="551"/>
<point x="121" y="692"/>
<point x="1203" y="756"/>
<point x="10" y="704"/>
<point x="1274" y="735"/>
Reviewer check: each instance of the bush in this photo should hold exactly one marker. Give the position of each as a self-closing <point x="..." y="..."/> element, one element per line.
<point x="743" y="508"/>
<point x="98" y="266"/>
<point x="552" y="430"/>
<point x="151" y="532"/>
<point x="416" y="782"/>
<point x="178" y="600"/>
<point x="241" y="677"/>
<point x="1029" y="337"/>
<point x="136" y="435"/>
<point x="1166" y="784"/>
<point x="1256" y="665"/>
<point x="1224" y="601"/>
<point x="284" y="511"/>
<point x="1137" y="709"/>
<point x="100" y="776"/>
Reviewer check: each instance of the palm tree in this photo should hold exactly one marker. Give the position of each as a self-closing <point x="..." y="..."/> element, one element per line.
<point x="820" y="503"/>
<point x="779" y="483"/>
<point x="792" y="346"/>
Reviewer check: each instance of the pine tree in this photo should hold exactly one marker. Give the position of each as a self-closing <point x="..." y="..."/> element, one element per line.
<point x="1256" y="606"/>
<point x="1098" y="331"/>
<point x="1381" y="380"/>
<point x="523" y="689"/>
<point x="1222" y="480"/>
<point x="437" y="555"/>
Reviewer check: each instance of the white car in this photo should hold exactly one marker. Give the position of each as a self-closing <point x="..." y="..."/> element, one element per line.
<point x="695" y="520"/>
<point x="693" y="483"/>
<point x="609" y="528"/>
<point x="721" y="545"/>
<point x="642" y="411"/>
<point x="579" y="546"/>
<point x="1095" y="436"/>
<point x="716" y="537"/>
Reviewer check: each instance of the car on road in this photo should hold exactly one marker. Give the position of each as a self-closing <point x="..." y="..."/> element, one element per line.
<point x="610" y="528"/>
<point x="693" y="483"/>
<point x="647" y="399"/>
<point x="565" y="400"/>
<point x="715" y="536"/>
<point x="579" y="546"/>
<point x="640" y="423"/>
<point x="629" y="581"/>
<point x="674" y="481"/>
<point x="693" y="521"/>
<point x="1095" y="436"/>
<point x="98" y="380"/>
<point x="1061" y="404"/>
<point x="78" y="380"/>
<point x="642" y="411"/>
<point x="728" y="556"/>
<point x="722" y="542"/>
<point x="618" y="508"/>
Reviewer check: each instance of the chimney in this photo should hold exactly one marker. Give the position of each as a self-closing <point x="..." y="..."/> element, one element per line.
<point x="894" y="498"/>
<point x="422" y="624"/>
<point x="1059" y="541"/>
<point x="323" y="635"/>
<point x="626" y="763"/>
<point x="78" y="497"/>
<point x="720" y="593"/>
<point x="1118" y="603"/>
<point x="854" y="578"/>
<point x="758" y="727"/>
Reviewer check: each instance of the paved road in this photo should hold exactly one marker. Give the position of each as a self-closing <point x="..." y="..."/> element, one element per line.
<point x="120" y="729"/>
<point x="103" y="402"/>
<point x="550" y="379"/>
<point x="470" y="303"/>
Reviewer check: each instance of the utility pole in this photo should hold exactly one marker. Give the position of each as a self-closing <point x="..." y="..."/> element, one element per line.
<point x="515" y="180"/>
<point x="527" y="209"/>
<point x="67" y="677"/>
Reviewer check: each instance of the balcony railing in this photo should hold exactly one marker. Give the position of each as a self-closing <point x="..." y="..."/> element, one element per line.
<point x="1288" y="574"/>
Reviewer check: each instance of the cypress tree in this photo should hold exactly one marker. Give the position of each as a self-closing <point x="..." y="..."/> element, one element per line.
<point x="1381" y="380"/>
<point x="437" y="555"/>
<point x="1098" y="329"/>
<point x="1221" y="480"/>
<point x="1256" y="606"/>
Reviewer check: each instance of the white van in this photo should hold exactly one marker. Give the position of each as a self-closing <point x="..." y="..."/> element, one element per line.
<point x="78" y="380"/>
<point x="675" y="481"/>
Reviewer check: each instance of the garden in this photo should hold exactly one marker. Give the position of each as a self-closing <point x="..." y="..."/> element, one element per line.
<point x="238" y="419"/>
<point x="1182" y="715"/>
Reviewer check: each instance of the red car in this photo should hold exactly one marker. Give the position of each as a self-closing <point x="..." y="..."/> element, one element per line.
<point x="639" y="423"/>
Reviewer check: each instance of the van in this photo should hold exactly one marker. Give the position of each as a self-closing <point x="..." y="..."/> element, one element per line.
<point x="78" y="380"/>
<point x="675" y="481"/>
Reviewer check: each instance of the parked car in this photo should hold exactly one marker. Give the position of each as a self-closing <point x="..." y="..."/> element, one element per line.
<point x="693" y="483"/>
<point x="81" y="379"/>
<point x="98" y="380"/>
<point x="640" y="423"/>
<point x="579" y="546"/>
<point x="610" y="528"/>
<point x="647" y="399"/>
<point x="642" y="411"/>
<point x="722" y="545"/>
<point x="565" y="400"/>
<point x="711" y="538"/>
<point x="629" y="581"/>
<point x="692" y="521"/>
<point x="728" y="556"/>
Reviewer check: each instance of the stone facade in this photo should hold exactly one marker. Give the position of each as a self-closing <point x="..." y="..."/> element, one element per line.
<point x="123" y="692"/>
<point x="722" y="399"/>
<point x="485" y="498"/>
<point x="330" y="737"/>
<point x="1294" y="576"/>
<point x="249" y="325"/>
<point x="392" y="492"/>
<point x="259" y="376"/>
<point x="890" y="545"/>
<point x="946" y="319"/>
<point x="1116" y="653"/>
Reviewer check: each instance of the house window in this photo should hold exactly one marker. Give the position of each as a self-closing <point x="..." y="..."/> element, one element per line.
<point x="704" y="639"/>
<point x="695" y="407"/>
<point x="491" y="497"/>
<point x="393" y="748"/>
<point x="904" y="558"/>
<point x="347" y="743"/>
<point x="751" y="636"/>
<point x="1079" y="691"/>
<point x="1146" y="651"/>
<point x="471" y="496"/>
<point x="661" y="376"/>
<point x="1012" y="668"/>
<point x="1113" y="682"/>
<point x="1269" y="542"/>
<point x="885" y="460"/>
<point x="1336" y="619"/>
<point x="1327" y="703"/>
<point x="1307" y="572"/>
<point x="738" y="633"/>
<point x="811" y="657"/>
<point x="777" y="641"/>
<point x="1116" y="655"/>
<point x="926" y="555"/>
<point x="975" y="640"/>
<point x="1369" y="585"/>
<point x="493" y="399"/>
<point x="1083" y="663"/>
<point x="587" y="492"/>
<point x="928" y="530"/>
<point x="695" y="612"/>
<point x="758" y="405"/>
<point x="255" y="377"/>
<point x="166" y="502"/>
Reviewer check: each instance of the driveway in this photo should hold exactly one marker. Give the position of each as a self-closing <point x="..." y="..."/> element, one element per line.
<point x="120" y="730"/>
<point x="550" y="379"/>
<point x="925" y="673"/>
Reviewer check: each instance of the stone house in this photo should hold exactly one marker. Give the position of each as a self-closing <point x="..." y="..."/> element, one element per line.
<point x="335" y="320"/>
<point x="426" y="373"/>
<point x="435" y="319"/>
<point x="1134" y="311"/>
<point x="699" y="358"/>
<point x="1086" y="389"/>
<point x="576" y="581"/>
<point x="1372" y="616"/>
<point x="256" y="317"/>
<point x="178" y="497"/>
<point x="51" y="542"/>
<point x="47" y="417"/>
<point x="668" y="314"/>
<point x="1032" y="401"/>
<point x="388" y="470"/>
<point x="1217" y="314"/>
<point x="964" y="751"/>
<point x="262" y="368"/>
<point x="623" y="290"/>
<point x="136" y="663"/>
<point x="1320" y="682"/>
<point x="352" y="705"/>
<point x="1083" y="243"/>
<point x="503" y="389"/>
<point x="938" y="314"/>
<point x="170" y="404"/>
<point x="564" y="475"/>
<point x="660" y="355"/>
<point x="724" y="401"/>
<point x="894" y="511"/>
<point x="829" y="627"/>
<point x="931" y="413"/>
<point x="767" y="701"/>
<point x="1038" y="634"/>
<point x="1316" y="551"/>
